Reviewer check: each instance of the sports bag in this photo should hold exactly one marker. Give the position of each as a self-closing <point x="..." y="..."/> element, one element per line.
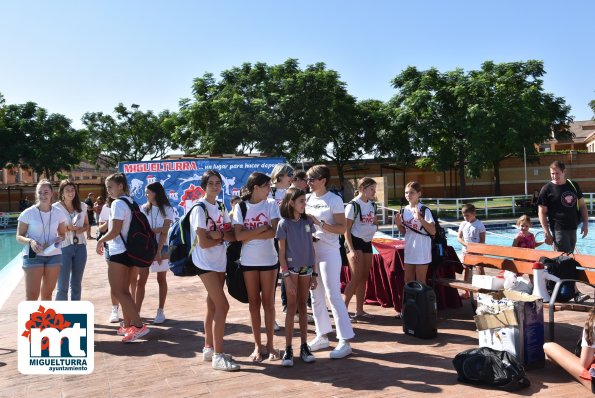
<point x="490" y="367"/>
<point x="234" y="277"/>
<point x="564" y="267"/>
<point x="180" y="248"/>
<point x="141" y="244"/>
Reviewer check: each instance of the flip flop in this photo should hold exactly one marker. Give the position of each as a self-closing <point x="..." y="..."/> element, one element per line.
<point x="274" y="356"/>
<point x="255" y="357"/>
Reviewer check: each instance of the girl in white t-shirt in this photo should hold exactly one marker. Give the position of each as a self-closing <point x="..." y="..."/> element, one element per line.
<point x="119" y="265"/>
<point x="160" y="215"/>
<point x="327" y="212"/>
<point x="210" y="225"/>
<point x="259" y="257"/>
<point x="361" y="222"/>
<point x="417" y="228"/>
<point x="281" y="178"/>
<point x="41" y="228"/>
<point x="577" y="367"/>
<point x="74" y="247"/>
<point x="102" y="224"/>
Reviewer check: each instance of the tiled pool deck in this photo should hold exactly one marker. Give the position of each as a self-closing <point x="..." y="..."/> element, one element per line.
<point x="385" y="362"/>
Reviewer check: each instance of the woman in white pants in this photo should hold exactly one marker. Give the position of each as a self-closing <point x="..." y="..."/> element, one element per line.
<point x="327" y="212"/>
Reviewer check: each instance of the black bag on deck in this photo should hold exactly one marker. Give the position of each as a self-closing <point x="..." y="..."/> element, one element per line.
<point x="490" y="367"/>
<point x="234" y="277"/>
<point x="564" y="267"/>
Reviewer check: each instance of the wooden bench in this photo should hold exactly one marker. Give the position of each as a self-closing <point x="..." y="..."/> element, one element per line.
<point x="520" y="261"/>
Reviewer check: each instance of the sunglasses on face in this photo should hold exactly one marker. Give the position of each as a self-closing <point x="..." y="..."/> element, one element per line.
<point x="310" y="179"/>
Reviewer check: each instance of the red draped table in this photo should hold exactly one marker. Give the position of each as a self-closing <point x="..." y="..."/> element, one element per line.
<point x="385" y="284"/>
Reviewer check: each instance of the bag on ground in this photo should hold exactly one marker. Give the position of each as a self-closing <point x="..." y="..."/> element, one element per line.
<point x="564" y="267"/>
<point x="141" y="244"/>
<point x="489" y="367"/>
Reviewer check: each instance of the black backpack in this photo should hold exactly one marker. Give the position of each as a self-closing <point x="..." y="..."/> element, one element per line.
<point x="234" y="277"/>
<point x="564" y="267"/>
<point x="439" y="242"/>
<point x="494" y="368"/>
<point x="180" y="246"/>
<point x="141" y="245"/>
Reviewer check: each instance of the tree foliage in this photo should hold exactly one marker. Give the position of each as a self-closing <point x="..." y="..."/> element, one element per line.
<point x="281" y="110"/>
<point x="129" y="135"/>
<point x="31" y="137"/>
<point x="473" y="120"/>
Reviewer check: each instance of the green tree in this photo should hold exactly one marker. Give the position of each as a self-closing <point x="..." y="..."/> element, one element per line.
<point x="34" y="138"/>
<point x="473" y="120"/>
<point x="131" y="135"/>
<point x="592" y="105"/>
<point x="513" y="113"/>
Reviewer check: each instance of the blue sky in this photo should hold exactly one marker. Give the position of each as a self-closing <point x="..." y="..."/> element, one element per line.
<point x="73" y="57"/>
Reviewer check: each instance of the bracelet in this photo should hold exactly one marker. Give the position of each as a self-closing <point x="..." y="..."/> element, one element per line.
<point x="285" y="274"/>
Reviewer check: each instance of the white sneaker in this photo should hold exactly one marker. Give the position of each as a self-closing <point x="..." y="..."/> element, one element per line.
<point x="224" y="362"/>
<point x="319" y="343"/>
<point x="114" y="316"/>
<point x="276" y="326"/>
<point x="160" y="317"/>
<point x="341" y="351"/>
<point x="207" y="353"/>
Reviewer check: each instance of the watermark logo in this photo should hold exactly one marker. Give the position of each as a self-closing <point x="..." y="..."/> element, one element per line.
<point x="56" y="337"/>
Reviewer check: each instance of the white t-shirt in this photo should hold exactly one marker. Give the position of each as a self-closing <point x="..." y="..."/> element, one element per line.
<point x="156" y="219"/>
<point x="119" y="210"/>
<point x="363" y="227"/>
<point x="418" y="248"/>
<point x="471" y="231"/>
<point x="42" y="227"/>
<point x="258" y="252"/>
<point x="324" y="208"/>
<point x="75" y="218"/>
<point x="279" y="194"/>
<point x="104" y="215"/>
<point x="213" y="258"/>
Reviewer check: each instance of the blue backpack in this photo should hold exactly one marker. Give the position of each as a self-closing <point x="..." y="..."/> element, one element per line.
<point x="180" y="247"/>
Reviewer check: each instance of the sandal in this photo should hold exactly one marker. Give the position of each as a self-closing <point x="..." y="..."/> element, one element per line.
<point x="274" y="356"/>
<point x="256" y="356"/>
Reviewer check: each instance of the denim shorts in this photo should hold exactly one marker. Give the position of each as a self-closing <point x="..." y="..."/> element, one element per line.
<point x="42" y="261"/>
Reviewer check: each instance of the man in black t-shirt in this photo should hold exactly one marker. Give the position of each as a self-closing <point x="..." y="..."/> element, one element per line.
<point x="561" y="210"/>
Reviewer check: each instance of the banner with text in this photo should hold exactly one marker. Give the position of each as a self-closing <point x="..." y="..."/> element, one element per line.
<point x="181" y="178"/>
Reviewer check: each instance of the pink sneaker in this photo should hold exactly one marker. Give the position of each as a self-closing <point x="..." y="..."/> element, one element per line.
<point x="133" y="333"/>
<point x="121" y="331"/>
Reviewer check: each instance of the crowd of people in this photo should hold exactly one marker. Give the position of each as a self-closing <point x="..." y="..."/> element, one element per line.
<point x="289" y="224"/>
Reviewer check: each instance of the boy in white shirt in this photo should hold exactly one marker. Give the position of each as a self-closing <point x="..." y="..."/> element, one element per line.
<point x="470" y="230"/>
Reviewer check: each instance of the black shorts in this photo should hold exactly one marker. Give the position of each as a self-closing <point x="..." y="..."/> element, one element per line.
<point x="360" y="244"/>
<point x="200" y="271"/>
<point x="259" y="267"/>
<point x="120" y="258"/>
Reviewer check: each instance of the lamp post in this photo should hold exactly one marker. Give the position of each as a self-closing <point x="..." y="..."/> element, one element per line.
<point x="525" y="161"/>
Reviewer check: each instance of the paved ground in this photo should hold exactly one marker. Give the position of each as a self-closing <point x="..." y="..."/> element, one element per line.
<point x="385" y="362"/>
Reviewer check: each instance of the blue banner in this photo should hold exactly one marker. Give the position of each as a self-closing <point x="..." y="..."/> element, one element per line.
<point x="181" y="178"/>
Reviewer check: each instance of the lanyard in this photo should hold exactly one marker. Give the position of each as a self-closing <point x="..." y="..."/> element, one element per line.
<point x="44" y="236"/>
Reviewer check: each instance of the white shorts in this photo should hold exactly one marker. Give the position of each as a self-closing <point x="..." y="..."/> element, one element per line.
<point x="156" y="267"/>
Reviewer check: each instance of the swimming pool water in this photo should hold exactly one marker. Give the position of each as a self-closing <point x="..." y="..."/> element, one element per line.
<point x="505" y="235"/>
<point x="9" y="248"/>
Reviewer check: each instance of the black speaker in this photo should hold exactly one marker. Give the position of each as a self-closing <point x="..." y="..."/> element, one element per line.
<point x="419" y="311"/>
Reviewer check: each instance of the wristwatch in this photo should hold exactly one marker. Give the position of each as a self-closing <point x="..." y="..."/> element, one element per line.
<point x="285" y="274"/>
<point x="315" y="274"/>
